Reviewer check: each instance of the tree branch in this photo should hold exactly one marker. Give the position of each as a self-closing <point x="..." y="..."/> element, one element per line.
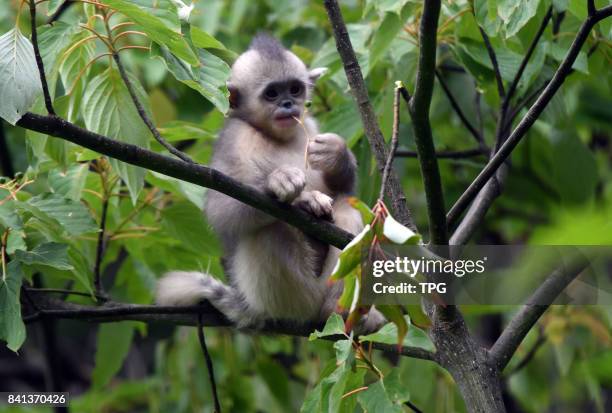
<point x="468" y="153"/>
<point x="419" y="110"/>
<point x="39" y="61"/>
<point x="530" y="312"/>
<point x="6" y="163"/>
<point x="209" y="365"/>
<point x="368" y="117"/>
<point x="187" y="316"/>
<point x="455" y="105"/>
<point x="525" y="61"/>
<point x="530" y="354"/>
<point x="493" y="57"/>
<point x="138" y="104"/>
<point x="394" y="140"/>
<point x="60" y="11"/>
<point x="529" y="119"/>
<point x="196" y="174"/>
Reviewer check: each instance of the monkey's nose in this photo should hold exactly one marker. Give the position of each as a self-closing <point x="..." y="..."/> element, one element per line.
<point x="287" y="103"/>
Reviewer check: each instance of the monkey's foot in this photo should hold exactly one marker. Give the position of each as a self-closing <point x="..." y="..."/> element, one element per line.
<point x="286" y="183"/>
<point x="316" y="203"/>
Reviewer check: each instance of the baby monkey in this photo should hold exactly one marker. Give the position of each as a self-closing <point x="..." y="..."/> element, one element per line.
<point x="269" y="142"/>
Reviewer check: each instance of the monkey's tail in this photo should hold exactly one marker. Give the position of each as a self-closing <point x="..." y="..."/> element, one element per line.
<point x="189" y="288"/>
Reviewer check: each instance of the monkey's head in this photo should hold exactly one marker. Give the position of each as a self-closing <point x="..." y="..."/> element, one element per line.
<point x="269" y="86"/>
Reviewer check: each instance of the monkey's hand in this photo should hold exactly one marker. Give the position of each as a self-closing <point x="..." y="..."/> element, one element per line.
<point x="315" y="203"/>
<point x="327" y="152"/>
<point x="286" y="183"/>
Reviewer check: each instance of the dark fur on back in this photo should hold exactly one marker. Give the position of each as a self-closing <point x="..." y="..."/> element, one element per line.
<point x="268" y="47"/>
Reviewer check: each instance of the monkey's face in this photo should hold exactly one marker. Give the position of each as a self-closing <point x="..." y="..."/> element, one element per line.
<point x="284" y="101"/>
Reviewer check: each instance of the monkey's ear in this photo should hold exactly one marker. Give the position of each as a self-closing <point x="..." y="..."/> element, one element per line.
<point x="234" y="97"/>
<point x="316" y="73"/>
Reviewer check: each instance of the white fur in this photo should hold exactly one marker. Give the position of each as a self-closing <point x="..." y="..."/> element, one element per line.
<point x="181" y="288"/>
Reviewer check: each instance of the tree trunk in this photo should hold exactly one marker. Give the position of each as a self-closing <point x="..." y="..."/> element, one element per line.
<point x="477" y="378"/>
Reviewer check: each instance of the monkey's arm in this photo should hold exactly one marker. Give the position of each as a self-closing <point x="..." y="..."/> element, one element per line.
<point x="328" y="153"/>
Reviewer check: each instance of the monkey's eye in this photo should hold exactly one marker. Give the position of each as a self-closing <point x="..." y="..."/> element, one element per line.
<point x="270" y="93"/>
<point x="296" y="89"/>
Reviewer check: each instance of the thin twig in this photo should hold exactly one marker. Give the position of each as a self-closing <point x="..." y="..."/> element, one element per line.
<point x="137" y="103"/>
<point x="100" y="249"/>
<point x="455" y="105"/>
<point x="412" y="406"/>
<point x="394" y="140"/>
<point x="591" y="7"/>
<point x="60" y="11"/>
<point x="39" y="61"/>
<point x="65" y="291"/>
<point x="209" y="364"/>
<point x="525" y="61"/>
<point x="531" y="353"/>
<point x="493" y="57"/>
<point x="143" y="114"/>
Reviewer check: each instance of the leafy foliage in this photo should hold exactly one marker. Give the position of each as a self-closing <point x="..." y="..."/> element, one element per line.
<point x="559" y="191"/>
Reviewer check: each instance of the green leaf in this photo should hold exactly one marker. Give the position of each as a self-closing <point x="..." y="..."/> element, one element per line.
<point x="73" y="216"/>
<point x="366" y="213"/>
<point x="394" y="314"/>
<point x="164" y="10"/>
<point x="51" y="254"/>
<point x="109" y="110"/>
<point x="19" y="79"/>
<point x="333" y="326"/>
<point x="12" y="329"/>
<point x="156" y="29"/>
<point x="209" y="78"/>
<point x="376" y="399"/>
<point x="350" y="257"/>
<point x="73" y="72"/>
<point x="348" y="298"/>
<point x="343" y="350"/>
<point x="180" y="130"/>
<point x="9" y="217"/>
<point x="388" y="335"/>
<point x="276" y="378"/>
<point x="205" y="41"/>
<point x="389" y="28"/>
<point x="53" y="40"/>
<point x="574" y="168"/>
<point x="113" y="344"/>
<point x="399" y="234"/>
<point x="186" y="223"/>
<point x="53" y="6"/>
<point x="69" y="183"/>
<point x="516" y="14"/>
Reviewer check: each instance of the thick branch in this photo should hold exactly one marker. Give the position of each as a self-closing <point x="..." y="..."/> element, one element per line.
<point x="530" y="312"/>
<point x="368" y="117"/>
<point x="529" y="119"/>
<point x="419" y="110"/>
<point x="187" y="316"/>
<point x="197" y="174"/>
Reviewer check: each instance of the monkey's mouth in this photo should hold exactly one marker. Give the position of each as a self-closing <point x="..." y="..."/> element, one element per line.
<point x="287" y="119"/>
